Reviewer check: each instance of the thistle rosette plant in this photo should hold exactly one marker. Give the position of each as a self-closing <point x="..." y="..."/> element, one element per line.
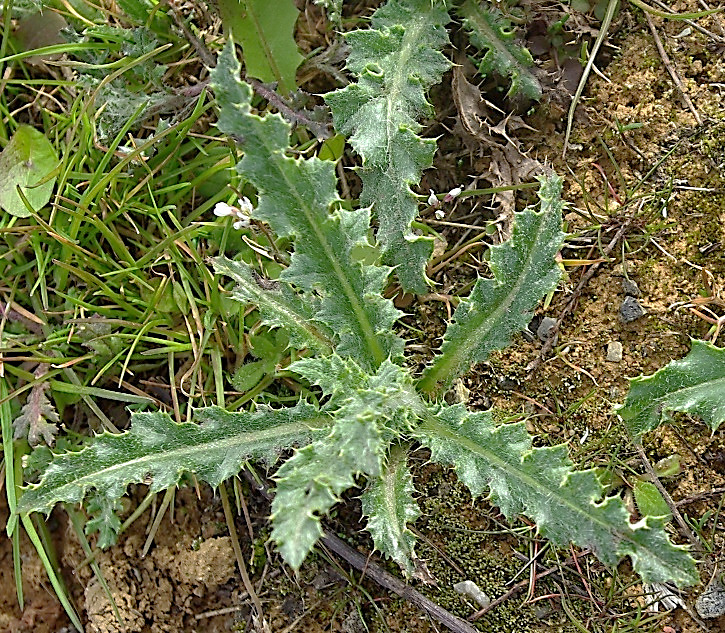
<point x="370" y="409"/>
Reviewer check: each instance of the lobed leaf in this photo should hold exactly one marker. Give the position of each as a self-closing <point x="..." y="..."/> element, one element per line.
<point x="389" y="506"/>
<point x="295" y="196"/>
<point x="524" y="270"/>
<point x="489" y="31"/>
<point x="395" y="62"/>
<point x="369" y="412"/>
<point x="312" y="480"/>
<point x="566" y="505"/>
<point x="159" y="450"/>
<point x="278" y="304"/>
<point x="695" y="384"/>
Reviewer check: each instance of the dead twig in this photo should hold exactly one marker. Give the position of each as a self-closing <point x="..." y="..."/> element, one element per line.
<point x="546" y="348"/>
<point x="376" y="573"/>
<point x="671" y="69"/>
<point x="668" y="499"/>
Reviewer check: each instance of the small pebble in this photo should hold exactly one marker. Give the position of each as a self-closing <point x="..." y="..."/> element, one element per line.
<point x="471" y="590"/>
<point x="631" y="310"/>
<point x="614" y="352"/>
<point x="630" y="288"/>
<point x="711" y="603"/>
<point x="546" y="329"/>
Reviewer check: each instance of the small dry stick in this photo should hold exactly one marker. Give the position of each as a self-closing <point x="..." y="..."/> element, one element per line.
<point x="378" y="574"/>
<point x="668" y="500"/>
<point x="671" y="69"/>
<point x="391" y="583"/>
<point x="229" y="515"/>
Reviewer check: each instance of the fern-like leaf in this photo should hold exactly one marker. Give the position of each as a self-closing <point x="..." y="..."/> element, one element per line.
<point x="279" y="306"/>
<point x="104" y="519"/>
<point x="38" y="419"/>
<point x="158" y="450"/>
<point x="489" y="31"/>
<point x="566" y="505"/>
<point x="395" y="62"/>
<point x="524" y="270"/>
<point x="695" y="384"/>
<point x="295" y="197"/>
<point x="389" y="506"/>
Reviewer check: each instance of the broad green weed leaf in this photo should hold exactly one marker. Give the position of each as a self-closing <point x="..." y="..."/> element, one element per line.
<point x="158" y="449"/>
<point x="394" y="62"/>
<point x="649" y="500"/>
<point x="266" y="32"/>
<point x="695" y="384"/>
<point x="524" y="270"/>
<point x="27" y="159"/>
<point x="491" y="32"/>
<point x="389" y="506"/>
<point x="540" y="483"/>
<point x="295" y="198"/>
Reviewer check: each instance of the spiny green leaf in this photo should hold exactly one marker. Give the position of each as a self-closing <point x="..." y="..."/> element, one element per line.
<point x="27" y="159"/>
<point x="389" y="391"/>
<point x="492" y="33"/>
<point x="295" y="196"/>
<point x="278" y="305"/>
<point x="395" y="62"/>
<point x="566" y="505"/>
<point x="159" y="449"/>
<point x="524" y="270"/>
<point x="266" y="32"/>
<point x="312" y="480"/>
<point x="695" y="384"/>
<point x="389" y="506"/>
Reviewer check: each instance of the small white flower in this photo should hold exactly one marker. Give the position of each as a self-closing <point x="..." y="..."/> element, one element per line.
<point x="440" y="214"/>
<point x="245" y="206"/>
<point x="240" y="214"/>
<point x="452" y="194"/>
<point x="222" y="209"/>
<point x="433" y="199"/>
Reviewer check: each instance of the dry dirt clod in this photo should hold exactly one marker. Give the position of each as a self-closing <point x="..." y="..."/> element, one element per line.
<point x="614" y="352"/>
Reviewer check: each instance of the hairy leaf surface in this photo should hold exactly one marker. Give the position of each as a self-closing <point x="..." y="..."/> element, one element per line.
<point x="524" y="270"/>
<point x="279" y="306"/>
<point x="695" y="384"/>
<point x="492" y="33"/>
<point x="295" y="196"/>
<point x="369" y="412"/>
<point x="389" y="506"/>
<point x="311" y="481"/>
<point x="160" y="450"/>
<point x="567" y="505"/>
<point x="395" y="62"/>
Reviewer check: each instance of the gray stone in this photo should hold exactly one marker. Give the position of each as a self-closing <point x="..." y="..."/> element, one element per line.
<point x="711" y="602"/>
<point x="614" y="352"/>
<point x="631" y="310"/>
<point x="546" y="329"/>
<point x="630" y="288"/>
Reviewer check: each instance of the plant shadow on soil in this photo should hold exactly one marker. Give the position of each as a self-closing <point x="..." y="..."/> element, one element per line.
<point x="189" y="573"/>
